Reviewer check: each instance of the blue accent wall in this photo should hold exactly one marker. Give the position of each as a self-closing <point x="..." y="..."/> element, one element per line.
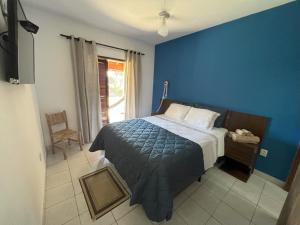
<point x="250" y="65"/>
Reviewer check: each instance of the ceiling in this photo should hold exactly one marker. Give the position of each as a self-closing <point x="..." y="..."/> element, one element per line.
<point x="139" y="18"/>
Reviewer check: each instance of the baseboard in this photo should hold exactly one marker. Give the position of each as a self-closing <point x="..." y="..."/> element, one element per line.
<point x="268" y="177"/>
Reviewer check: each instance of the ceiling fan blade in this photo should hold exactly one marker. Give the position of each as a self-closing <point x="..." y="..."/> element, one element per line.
<point x="148" y="18"/>
<point x="175" y="18"/>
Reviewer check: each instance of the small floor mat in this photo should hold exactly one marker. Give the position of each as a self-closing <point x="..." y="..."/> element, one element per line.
<point x="103" y="191"/>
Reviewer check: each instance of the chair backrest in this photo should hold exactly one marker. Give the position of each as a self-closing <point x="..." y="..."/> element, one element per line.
<point x="56" y="119"/>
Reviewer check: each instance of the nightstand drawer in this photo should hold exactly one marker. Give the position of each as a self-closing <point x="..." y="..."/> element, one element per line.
<point x="242" y="155"/>
<point x="241" y="152"/>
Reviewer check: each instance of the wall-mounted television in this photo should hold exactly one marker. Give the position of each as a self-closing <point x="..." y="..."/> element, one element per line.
<point x="19" y="44"/>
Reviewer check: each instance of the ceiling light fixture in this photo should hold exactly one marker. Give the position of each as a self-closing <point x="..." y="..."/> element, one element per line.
<point x="163" y="29"/>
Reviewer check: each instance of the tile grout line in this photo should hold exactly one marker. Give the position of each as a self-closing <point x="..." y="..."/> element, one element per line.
<point x="186" y="223"/>
<point x="86" y="157"/>
<point x="190" y="197"/>
<point x="250" y="220"/>
<point x="51" y="188"/>
<point x="113" y="216"/>
<point x="181" y="203"/>
<point x="222" y="201"/>
<point x="126" y="213"/>
<point x="182" y="216"/>
<point x="208" y="220"/>
<point x="73" y="196"/>
<point x="236" y="211"/>
<point x="71" y="220"/>
<point x="205" y="209"/>
<point x="74" y="192"/>
<point x="258" y="202"/>
<point x="57" y="203"/>
<point x="217" y="220"/>
<point x="60" y="172"/>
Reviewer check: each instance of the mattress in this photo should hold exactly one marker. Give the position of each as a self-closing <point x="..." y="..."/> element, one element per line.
<point x="211" y="141"/>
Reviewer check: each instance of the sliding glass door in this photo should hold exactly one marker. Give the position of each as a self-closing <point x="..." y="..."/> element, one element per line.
<point x="112" y="81"/>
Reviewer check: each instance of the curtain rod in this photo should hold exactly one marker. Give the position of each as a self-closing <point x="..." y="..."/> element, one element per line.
<point x="109" y="46"/>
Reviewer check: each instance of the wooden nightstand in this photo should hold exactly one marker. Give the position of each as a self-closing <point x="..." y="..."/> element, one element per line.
<point x="241" y="152"/>
<point x="240" y="158"/>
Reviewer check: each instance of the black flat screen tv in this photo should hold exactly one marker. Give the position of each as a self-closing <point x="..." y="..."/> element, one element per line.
<point x="20" y="45"/>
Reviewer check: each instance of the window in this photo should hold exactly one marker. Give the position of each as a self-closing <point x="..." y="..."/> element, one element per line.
<point x="112" y="81"/>
<point x="116" y="84"/>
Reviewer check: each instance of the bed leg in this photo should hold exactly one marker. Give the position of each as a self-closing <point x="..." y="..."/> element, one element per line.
<point x="199" y="179"/>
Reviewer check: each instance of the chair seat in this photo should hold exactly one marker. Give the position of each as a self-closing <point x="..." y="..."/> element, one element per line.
<point x="64" y="134"/>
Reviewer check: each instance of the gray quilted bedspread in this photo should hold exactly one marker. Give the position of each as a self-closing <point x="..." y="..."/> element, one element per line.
<point x="155" y="163"/>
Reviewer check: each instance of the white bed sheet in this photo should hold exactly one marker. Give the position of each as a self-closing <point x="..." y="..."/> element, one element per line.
<point x="211" y="141"/>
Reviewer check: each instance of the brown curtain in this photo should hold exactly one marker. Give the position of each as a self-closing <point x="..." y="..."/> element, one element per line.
<point x="290" y="214"/>
<point x="86" y="81"/>
<point x="132" y="83"/>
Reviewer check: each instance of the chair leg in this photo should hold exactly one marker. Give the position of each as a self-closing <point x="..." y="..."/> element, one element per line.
<point x="63" y="149"/>
<point x="79" y="141"/>
<point x="69" y="142"/>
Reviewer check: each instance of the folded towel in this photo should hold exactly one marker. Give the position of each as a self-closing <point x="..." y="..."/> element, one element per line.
<point x="243" y="132"/>
<point x="243" y="138"/>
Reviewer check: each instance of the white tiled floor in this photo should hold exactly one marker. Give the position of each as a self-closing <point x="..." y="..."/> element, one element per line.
<point x="219" y="199"/>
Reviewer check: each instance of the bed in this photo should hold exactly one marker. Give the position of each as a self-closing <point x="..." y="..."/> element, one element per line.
<point x="158" y="157"/>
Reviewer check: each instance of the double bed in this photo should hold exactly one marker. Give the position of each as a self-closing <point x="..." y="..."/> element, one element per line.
<point x="159" y="156"/>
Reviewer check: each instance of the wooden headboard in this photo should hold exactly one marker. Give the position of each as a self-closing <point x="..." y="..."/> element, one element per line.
<point x="164" y="105"/>
<point x="236" y="120"/>
<point x="233" y="120"/>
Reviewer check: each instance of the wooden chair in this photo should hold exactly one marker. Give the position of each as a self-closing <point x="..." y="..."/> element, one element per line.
<point x="64" y="134"/>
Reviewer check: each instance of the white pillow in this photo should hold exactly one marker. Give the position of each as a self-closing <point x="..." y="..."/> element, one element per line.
<point x="211" y="125"/>
<point x="177" y="111"/>
<point x="201" y="118"/>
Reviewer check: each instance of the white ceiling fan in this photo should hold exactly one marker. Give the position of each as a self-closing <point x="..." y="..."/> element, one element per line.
<point x="163" y="28"/>
<point x="166" y="19"/>
<point x="164" y="15"/>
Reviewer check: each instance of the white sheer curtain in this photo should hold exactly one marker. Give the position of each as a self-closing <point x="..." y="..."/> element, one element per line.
<point x="86" y="81"/>
<point x="132" y="84"/>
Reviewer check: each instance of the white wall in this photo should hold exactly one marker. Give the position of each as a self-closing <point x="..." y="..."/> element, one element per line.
<point x="54" y="77"/>
<point x="22" y="173"/>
